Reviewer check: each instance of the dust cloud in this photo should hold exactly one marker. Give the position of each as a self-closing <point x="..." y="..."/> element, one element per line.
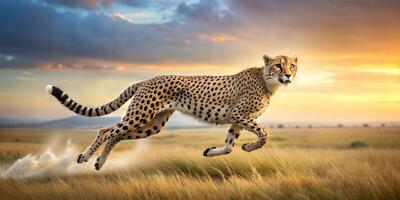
<point x="51" y="163"/>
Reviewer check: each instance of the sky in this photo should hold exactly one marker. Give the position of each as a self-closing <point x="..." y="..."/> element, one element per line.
<point x="348" y="50"/>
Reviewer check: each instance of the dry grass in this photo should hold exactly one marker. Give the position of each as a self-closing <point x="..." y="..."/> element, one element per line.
<point x="296" y="164"/>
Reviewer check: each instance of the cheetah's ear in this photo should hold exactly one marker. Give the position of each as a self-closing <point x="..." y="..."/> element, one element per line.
<point x="267" y="59"/>
<point x="295" y="59"/>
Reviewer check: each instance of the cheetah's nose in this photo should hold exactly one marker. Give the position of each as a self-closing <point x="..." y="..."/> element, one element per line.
<point x="288" y="75"/>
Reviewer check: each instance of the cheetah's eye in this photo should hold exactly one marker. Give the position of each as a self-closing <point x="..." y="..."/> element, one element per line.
<point x="279" y="66"/>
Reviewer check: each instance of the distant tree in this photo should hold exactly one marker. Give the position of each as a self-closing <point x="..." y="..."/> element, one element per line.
<point x="383" y="125"/>
<point x="297" y="126"/>
<point x="280" y="126"/>
<point x="365" y="125"/>
<point x="340" y="126"/>
<point x="310" y="126"/>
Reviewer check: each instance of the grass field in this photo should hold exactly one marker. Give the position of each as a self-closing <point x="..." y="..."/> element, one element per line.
<point x="318" y="163"/>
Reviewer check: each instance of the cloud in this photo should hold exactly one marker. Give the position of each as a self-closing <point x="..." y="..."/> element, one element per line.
<point x="205" y="11"/>
<point x="324" y="27"/>
<point x="217" y="37"/>
<point x="347" y="81"/>
<point x="43" y="35"/>
<point x="119" y="16"/>
<point x="96" y="4"/>
<point x="214" y="32"/>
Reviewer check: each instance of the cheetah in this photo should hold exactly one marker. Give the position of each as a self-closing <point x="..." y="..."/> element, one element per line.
<point x="237" y="100"/>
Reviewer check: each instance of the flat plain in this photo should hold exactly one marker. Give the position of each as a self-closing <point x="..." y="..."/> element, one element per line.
<point x="296" y="163"/>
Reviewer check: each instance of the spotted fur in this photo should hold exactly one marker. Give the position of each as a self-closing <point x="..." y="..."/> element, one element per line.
<point x="233" y="99"/>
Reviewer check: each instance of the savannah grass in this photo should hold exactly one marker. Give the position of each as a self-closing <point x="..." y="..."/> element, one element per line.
<point x="301" y="164"/>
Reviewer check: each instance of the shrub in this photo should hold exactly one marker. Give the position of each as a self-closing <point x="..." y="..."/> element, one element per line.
<point x="358" y="144"/>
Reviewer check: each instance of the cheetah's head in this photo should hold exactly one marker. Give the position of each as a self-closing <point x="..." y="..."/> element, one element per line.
<point x="280" y="70"/>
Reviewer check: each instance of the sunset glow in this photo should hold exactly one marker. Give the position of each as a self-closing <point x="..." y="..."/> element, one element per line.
<point x="349" y="52"/>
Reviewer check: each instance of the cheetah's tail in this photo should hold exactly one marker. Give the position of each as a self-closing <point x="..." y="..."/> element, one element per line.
<point x="88" y="111"/>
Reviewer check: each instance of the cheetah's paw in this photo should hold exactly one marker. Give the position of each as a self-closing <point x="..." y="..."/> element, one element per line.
<point x="247" y="147"/>
<point x="82" y="158"/>
<point x="205" y="153"/>
<point x="99" y="163"/>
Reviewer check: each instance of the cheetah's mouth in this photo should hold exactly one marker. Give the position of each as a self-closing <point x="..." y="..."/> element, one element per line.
<point x="286" y="82"/>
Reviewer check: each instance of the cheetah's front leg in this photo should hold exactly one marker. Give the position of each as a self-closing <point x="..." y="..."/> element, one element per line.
<point x="252" y="126"/>
<point x="233" y="134"/>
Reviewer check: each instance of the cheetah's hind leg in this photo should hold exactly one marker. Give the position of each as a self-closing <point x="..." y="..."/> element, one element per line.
<point x="152" y="127"/>
<point x="102" y="135"/>
<point x="106" y="151"/>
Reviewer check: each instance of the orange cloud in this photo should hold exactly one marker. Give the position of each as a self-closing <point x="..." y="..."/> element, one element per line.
<point x="217" y="37"/>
